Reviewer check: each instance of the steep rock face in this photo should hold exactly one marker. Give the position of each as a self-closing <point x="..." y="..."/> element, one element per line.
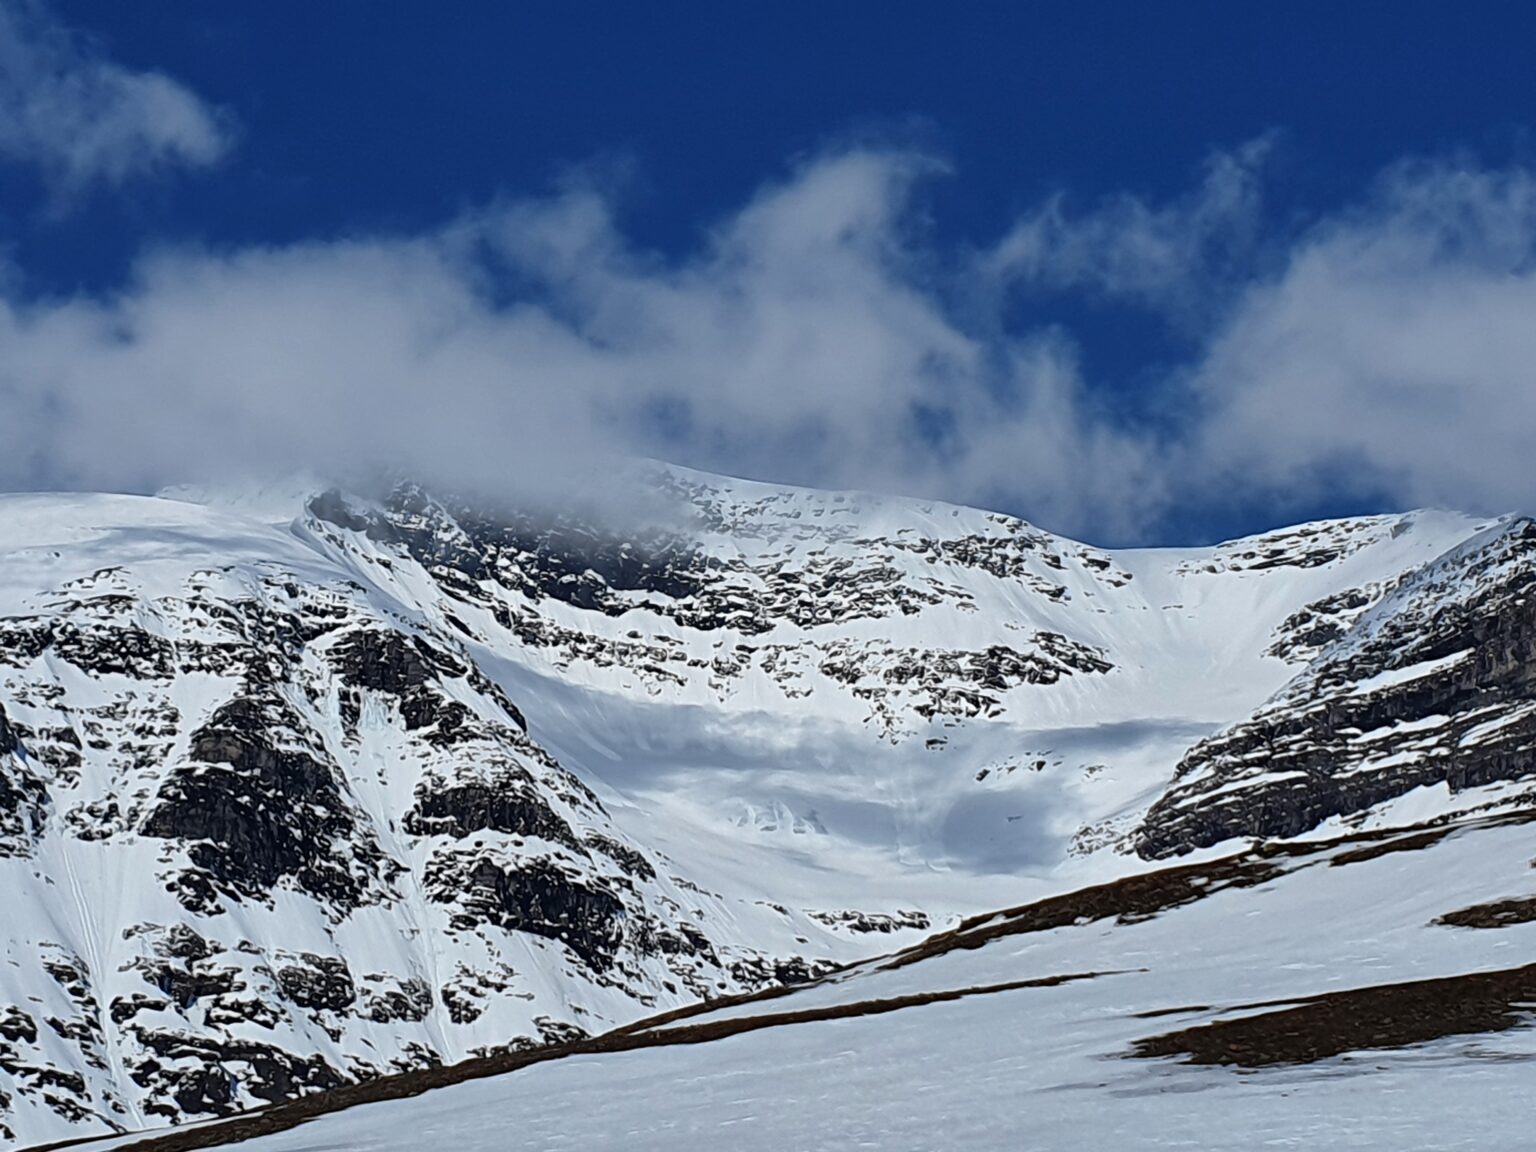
<point x="744" y="576"/>
<point x="23" y="796"/>
<point x="540" y="898"/>
<point x="259" y="806"/>
<point x="1433" y="688"/>
<point x="265" y="835"/>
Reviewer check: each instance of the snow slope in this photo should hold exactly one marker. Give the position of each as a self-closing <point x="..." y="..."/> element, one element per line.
<point x="1310" y="998"/>
<point x="303" y="788"/>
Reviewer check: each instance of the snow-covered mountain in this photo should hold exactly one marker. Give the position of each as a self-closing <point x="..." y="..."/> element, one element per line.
<point x="302" y="788"/>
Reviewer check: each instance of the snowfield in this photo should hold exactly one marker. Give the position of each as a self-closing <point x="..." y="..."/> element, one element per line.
<point x="1052" y="1065"/>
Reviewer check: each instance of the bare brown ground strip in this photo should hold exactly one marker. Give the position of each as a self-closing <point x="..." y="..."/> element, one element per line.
<point x="1139" y="896"/>
<point x="1143" y="895"/>
<point x="1381" y="1016"/>
<point x="1425" y="839"/>
<point x="1495" y="914"/>
<point x="1154" y="1013"/>
<point x="651" y="1033"/>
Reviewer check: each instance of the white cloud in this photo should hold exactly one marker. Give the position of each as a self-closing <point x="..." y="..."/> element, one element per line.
<point x="81" y="118"/>
<point x="799" y="344"/>
<point x="1396" y="351"/>
<point x="1171" y="257"/>
<point x="806" y="340"/>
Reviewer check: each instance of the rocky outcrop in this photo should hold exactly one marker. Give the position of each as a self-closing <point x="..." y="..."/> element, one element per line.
<point x="23" y="796"/>
<point x="552" y="556"/>
<point x="854" y="921"/>
<point x="538" y="897"/>
<point x="504" y="799"/>
<point x="529" y="559"/>
<point x="1435" y="688"/>
<point x="256" y="807"/>
<point x="321" y="983"/>
<point x="199" y="1075"/>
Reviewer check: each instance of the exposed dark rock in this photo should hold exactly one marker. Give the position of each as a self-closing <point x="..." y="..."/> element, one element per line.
<point x="254" y="813"/>
<point x="1306" y="632"/>
<point x="765" y="972"/>
<point x="46" y="1077"/>
<point x="559" y="557"/>
<point x="533" y="896"/>
<point x="24" y="638"/>
<point x="185" y="976"/>
<point x="184" y="942"/>
<point x="95" y="820"/>
<point x="203" y="1080"/>
<point x="261" y="1009"/>
<point x="1305" y="546"/>
<point x="853" y="921"/>
<point x="322" y="983"/>
<point x="449" y="720"/>
<point x="69" y="973"/>
<point x="410" y="669"/>
<point x="507" y="801"/>
<point x="1434" y="692"/>
<point x="934" y="683"/>
<point x="23" y="796"/>
<point x="56" y="750"/>
<point x="120" y="649"/>
<point x="389" y="662"/>
<point x="15" y="1024"/>
<point x="463" y="1007"/>
<point x="556" y="557"/>
<point x="631" y="860"/>
<point x="386" y="998"/>
<point x="125" y="1008"/>
<point x="81" y="1032"/>
<point x="332" y="507"/>
<point x="558" y="1031"/>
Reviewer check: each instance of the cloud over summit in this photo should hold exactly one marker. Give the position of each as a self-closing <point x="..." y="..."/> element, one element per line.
<point x="813" y="335"/>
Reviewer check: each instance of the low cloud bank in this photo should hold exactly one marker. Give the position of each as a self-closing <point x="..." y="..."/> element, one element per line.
<point x="814" y="337"/>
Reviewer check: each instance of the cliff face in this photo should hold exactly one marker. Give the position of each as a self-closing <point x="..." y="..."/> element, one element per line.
<point x="280" y="836"/>
<point x="1431" y="696"/>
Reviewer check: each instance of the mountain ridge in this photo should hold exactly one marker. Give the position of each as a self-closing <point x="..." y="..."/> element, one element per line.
<point x="358" y="785"/>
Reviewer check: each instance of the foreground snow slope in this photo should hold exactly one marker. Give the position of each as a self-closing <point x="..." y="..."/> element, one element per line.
<point x="299" y="788"/>
<point x="1360" y="993"/>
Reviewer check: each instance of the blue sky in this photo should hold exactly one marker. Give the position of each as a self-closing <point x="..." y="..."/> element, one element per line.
<point x="1136" y="272"/>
